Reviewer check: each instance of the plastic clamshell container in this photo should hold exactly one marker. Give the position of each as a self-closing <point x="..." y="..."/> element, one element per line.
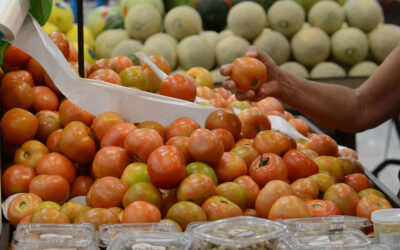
<point x="373" y="247"/>
<point x="78" y="245"/>
<point x="238" y="233"/>
<point x="332" y="223"/>
<point x="28" y="233"/>
<point x="108" y="232"/>
<point x="328" y="240"/>
<point x="140" y="240"/>
<point x="387" y="227"/>
<point x="192" y="225"/>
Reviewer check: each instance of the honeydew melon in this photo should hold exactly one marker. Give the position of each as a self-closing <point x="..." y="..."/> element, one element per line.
<point x="327" y="15"/>
<point x="126" y="5"/>
<point x="287" y="17"/>
<point x="165" y="37"/>
<point x="223" y="34"/>
<point x="157" y="46"/>
<point x="231" y="48"/>
<point x="349" y="46"/>
<point x="211" y="37"/>
<point x="128" y="48"/>
<point x="363" y="14"/>
<point x="142" y="21"/>
<point x="275" y="45"/>
<point x="327" y="70"/>
<point x="183" y="21"/>
<point x="383" y="40"/>
<point x="295" y="68"/>
<point x="365" y="68"/>
<point x="194" y="51"/>
<point x="107" y="41"/>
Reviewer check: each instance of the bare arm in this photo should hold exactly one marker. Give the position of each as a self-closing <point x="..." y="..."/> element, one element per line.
<point x="351" y="110"/>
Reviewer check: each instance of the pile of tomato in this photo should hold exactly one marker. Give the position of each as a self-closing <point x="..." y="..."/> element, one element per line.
<point x="231" y="165"/>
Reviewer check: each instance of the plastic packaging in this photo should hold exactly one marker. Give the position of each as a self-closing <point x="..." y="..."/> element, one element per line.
<point x="139" y="240"/>
<point x="387" y="227"/>
<point x="242" y="232"/>
<point x="373" y="247"/>
<point x="79" y="245"/>
<point x="191" y="226"/>
<point x="108" y="232"/>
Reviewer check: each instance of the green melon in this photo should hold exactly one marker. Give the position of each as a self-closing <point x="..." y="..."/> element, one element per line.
<point x="295" y="68"/>
<point x="311" y="46"/>
<point x="326" y="15"/>
<point x="107" y="41"/>
<point x="363" y="14"/>
<point x="217" y="77"/>
<point x="230" y="48"/>
<point x="247" y="19"/>
<point x="97" y="19"/>
<point x="383" y="39"/>
<point x="223" y="34"/>
<point x="287" y="17"/>
<point x="275" y="45"/>
<point x="327" y="70"/>
<point x="365" y="68"/>
<point x="211" y="37"/>
<point x="158" y="46"/>
<point x="142" y="21"/>
<point x="128" y="48"/>
<point x="307" y="4"/>
<point x="194" y="51"/>
<point x="126" y="5"/>
<point x="349" y="46"/>
<point x="183" y="21"/>
<point x="166" y="37"/>
<point x="213" y="13"/>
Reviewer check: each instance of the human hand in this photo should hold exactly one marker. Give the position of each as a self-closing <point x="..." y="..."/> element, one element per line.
<point x="269" y="88"/>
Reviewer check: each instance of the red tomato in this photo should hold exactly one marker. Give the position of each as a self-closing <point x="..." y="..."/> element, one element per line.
<point x="142" y="191"/>
<point x="179" y="86"/>
<point x="248" y="73"/>
<point x="299" y="125"/>
<point x="247" y="152"/>
<point x="233" y="192"/>
<point x="56" y="164"/>
<point x="16" y="93"/>
<point x="104" y="122"/>
<point x="36" y="70"/>
<point x="141" y="211"/>
<point x="21" y="206"/>
<point x="323" y="145"/>
<point x="323" y="181"/>
<point x="22" y="75"/>
<point x="185" y="212"/>
<point x="30" y="153"/>
<point x="161" y="130"/>
<point x="344" y="196"/>
<point x="73" y="209"/>
<point x="270" y="141"/>
<point x="288" y="207"/>
<point x="116" y="135"/>
<point x="110" y="161"/>
<point x="371" y="203"/>
<point x="44" y="99"/>
<point x="182" y="127"/>
<point x="205" y="146"/>
<point x="106" y="75"/>
<point x="269" y="194"/>
<point x="225" y="119"/>
<point x="97" y="217"/>
<point x="330" y="165"/>
<point x="357" y="181"/>
<point x="16" y="57"/>
<point x="229" y="167"/>
<point x="299" y="165"/>
<point x="48" y="122"/>
<point x="165" y="167"/>
<point x="321" y="208"/>
<point x="218" y="207"/>
<point x="49" y="215"/>
<point x="270" y="104"/>
<point x="347" y="152"/>
<point x="305" y="189"/>
<point x="253" y="121"/>
<point x="226" y="137"/>
<point x="196" y="188"/>
<point x="61" y="41"/>
<point x="106" y="192"/>
<point x="181" y="142"/>
<point x="251" y="188"/>
<point x="50" y="188"/>
<point x="81" y="186"/>
<point x="267" y="168"/>
<point x="70" y="112"/>
<point x="104" y="63"/>
<point x="141" y="142"/>
<point x="53" y="141"/>
<point x="120" y="63"/>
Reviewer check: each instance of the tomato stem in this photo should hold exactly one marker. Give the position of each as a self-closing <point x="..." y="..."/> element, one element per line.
<point x="263" y="161"/>
<point x="26" y="154"/>
<point x="22" y="205"/>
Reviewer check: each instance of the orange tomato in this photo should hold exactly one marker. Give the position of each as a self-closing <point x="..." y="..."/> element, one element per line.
<point x="97" y="217"/>
<point x="288" y="116"/>
<point x="223" y="93"/>
<point x="205" y="93"/>
<point x="251" y="188"/>
<point x="270" y="104"/>
<point x="226" y="137"/>
<point x="36" y="70"/>
<point x="16" y="94"/>
<point x="323" y="145"/>
<point x="110" y="161"/>
<point x="153" y="81"/>
<point x="50" y="188"/>
<point x="248" y="73"/>
<point x="44" y="99"/>
<point x="288" y="207"/>
<point x="104" y="63"/>
<point x="321" y="208"/>
<point x="253" y="121"/>
<point x="18" y="125"/>
<point x="225" y="119"/>
<point x="271" y="141"/>
<point x="16" y="57"/>
<point x="106" y="192"/>
<point x="56" y="164"/>
<point x="305" y="189"/>
<point x="48" y="122"/>
<point x="229" y="167"/>
<point x="22" y="206"/>
<point x="141" y="142"/>
<point x="299" y="125"/>
<point x="357" y="181"/>
<point x="267" y="168"/>
<point x="103" y="122"/>
<point x="154" y="125"/>
<point x="141" y="211"/>
<point x="70" y="112"/>
<point x="183" y="126"/>
<point x="81" y="186"/>
<point x="30" y="153"/>
<point x="22" y="75"/>
<point x="371" y="203"/>
<point x="53" y="141"/>
<point x="181" y="142"/>
<point x="218" y="207"/>
<point x="120" y="63"/>
<point x="220" y="103"/>
<point x="116" y="135"/>
<point x="179" y="86"/>
<point x="61" y="41"/>
<point x="106" y="75"/>
<point x="16" y="179"/>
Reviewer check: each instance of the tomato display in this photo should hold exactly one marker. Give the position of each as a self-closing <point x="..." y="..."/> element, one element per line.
<point x="50" y="188"/>
<point x="321" y="208"/>
<point x="270" y="141"/>
<point x="142" y="191"/>
<point x="253" y="120"/>
<point x="224" y="119"/>
<point x="141" y="211"/>
<point x="185" y="212"/>
<point x="141" y="142"/>
<point x="196" y="188"/>
<point x="299" y="165"/>
<point x="218" y="207"/>
<point x="205" y="146"/>
<point x="21" y="206"/>
<point x="106" y="192"/>
<point x="344" y="196"/>
<point x="248" y="73"/>
<point x="266" y="168"/>
<point x="288" y="207"/>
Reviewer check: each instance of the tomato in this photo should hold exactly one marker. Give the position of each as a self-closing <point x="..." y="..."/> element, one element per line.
<point x="184" y="126"/>
<point x="253" y="121"/>
<point x="22" y="75"/>
<point x="49" y="215"/>
<point x="323" y="145"/>
<point x="16" y="57"/>
<point x="69" y="112"/>
<point x="48" y="122"/>
<point x="141" y="142"/>
<point x="181" y="142"/>
<point x="51" y="204"/>
<point x="310" y="153"/>
<point x="270" y="104"/>
<point x="36" y="70"/>
<point x="288" y="116"/>
<point x="142" y="191"/>
<point x="226" y="137"/>
<point x="106" y="75"/>
<point x="245" y="141"/>
<point x="110" y="161"/>
<point x="116" y="135"/>
<point x="104" y="63"/>
<point x="299" y="165"/>
<point x="185" y="212"/>
<point x="368" y="191"/>
<point x="44" y="99"/>
<point x="21" y="206"/>
<point x="234" y="192"/>
<point x="242" y="105"/>
<point x="154" y="125"/>
<point x="16" y="94"/>
<point x="152" y="79"/>
<point x="305" y="189"/>
<point x="248" y="73"/>
<point x="351" y="166"/>
<point x="247" y="152"/>
<point x="168" y="199"/>
<point x="61" y="41"/>
<point x="270" y="141"/>
<point x="299" y="125"/>
<point x="106" y="192"/>
<point x="165" y="167"/>
<point x="251" y="188"/>
<point x="269" y="194"/>
<point x="347" y="152"/>
<point x="231" y="99"/>
<point x="344" y="196"/>
<point x="179" y="86"/>
<point x="229" y="167"/>
<point x="267" y="168"/>
<point x="201" y="168"/>
<point x="168" y="221"/>
<point x="73" y="209"/>
<point x="25" y="220"/>
<point x="220" y="103"/>
<point x="81" y="186"/>
<point x="134" y="173"/>
<point x="196" y="188"/>
<point x="104" y="122"/>
<point x="30" y="153"/>
<point x="321" y="208"/>
<point x="205" y="146"/>
<point x="218" y="207"/>
<point x="49" y="83"/>
<point x="97" y="217"/>
<point x="16" y="179"/>
<point x="120" y="63"/>
<point x="357" y="181"/>
<point x="116" y="210"/>
<point x="205" y="93"/>
<point x="225" y="119"/>
<point x="222" y="92"/>
<point x="134" y="77"/>
<point x="202" y="76"/>
<point x="50" y="188"/>
<point x="53" y="141"/>
<point x="330" y="165"/>
<point x="288" y="207"/>
<point x="371" y="203"/>
<point x="56" y="164"/>
<point x="323" y="181"/>
<point x="141" y="211"/>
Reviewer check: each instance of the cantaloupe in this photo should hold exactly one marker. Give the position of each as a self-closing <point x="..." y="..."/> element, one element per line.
<point x="327" y="70"/>
<point x="363" y="14"/>
<point x="217" y="77"/>
<point x="365" y="68"/>
<point x="126" y="5"/>
<point x="287" y="17"/>
<point x="165" y="37"/>
<point x="327" y="15"/>
<point x="310" y="46"/>
<point x="295" y="68"/>
<point x="128" y="48"/>
<point x="211" y="37"/>
<point x="383" y="39"/>
<point x="183" y="21"/>
<point x="107" y="41"/>
<point x="223" y="34"/>
<point x="349" y="46"/>
<point x="142" y="21"/>
<point x="247" y="19"/>
<point x="275" y="45"/>
<point x="231" y="48"/>
<point x="195" y="51"/>
<point x="157" y="46"/>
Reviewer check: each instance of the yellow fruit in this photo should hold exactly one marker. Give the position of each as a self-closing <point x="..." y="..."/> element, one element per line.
<point x="62" y="16"/>
<point x="72" y="35"/>
<point x="88" y="54"/>
<point x="49" y="28"/>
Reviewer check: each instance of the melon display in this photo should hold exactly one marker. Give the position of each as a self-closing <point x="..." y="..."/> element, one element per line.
<point x="287" y="17"/>
<point x="126" y="5"/>
<point x="383" y="39"/>
<point x="307" y="4"/>
<point x="327" y="70"/>
<point x="128" y="48"/>
<point x="326" y="15"/>
<point x="365" y="68"/>
<point x="195" y="51"/>
<point x="211" y="37"/>
<point x="363" y="14"/>
<point x="97" y="19"/>
<point x="107" y="41"/>
<point x="142" y="21"/>
<point x="274" y="44"/>
<point x="223" y="34"/>
<point x="183" y="21"/>
<point x="247" y="19"/>
<point x="213" y="13"/>
<point x="217" y="77"/>
<point x="349" y="46"/>
<point x="295" y="68"/>
<point x="157" y="46"/>
<point x="311" y="46"/>
<point x="166" y="37"/>
<point x="231" y="48"/>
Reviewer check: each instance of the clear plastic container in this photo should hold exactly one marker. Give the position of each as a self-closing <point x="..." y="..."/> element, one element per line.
<point x="332" y="223"/>
<point x="192" y="225"/>
<point x="108" y="232"/>
<point x="373" y="247"/>
<point x="242" y="232"/>
<point x="328" y="240"/>
<point x="78" y="245"/>
<point x="139" y="240"/>
<point x="387" y="227"/>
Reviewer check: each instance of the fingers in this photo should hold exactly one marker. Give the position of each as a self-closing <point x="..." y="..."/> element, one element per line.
<point x="268" y="89"/>
<point x="245" y="95"/>
<point x="229" y="84"/>
<point x="225" y="69"/>
<point x="253" y="51"/>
